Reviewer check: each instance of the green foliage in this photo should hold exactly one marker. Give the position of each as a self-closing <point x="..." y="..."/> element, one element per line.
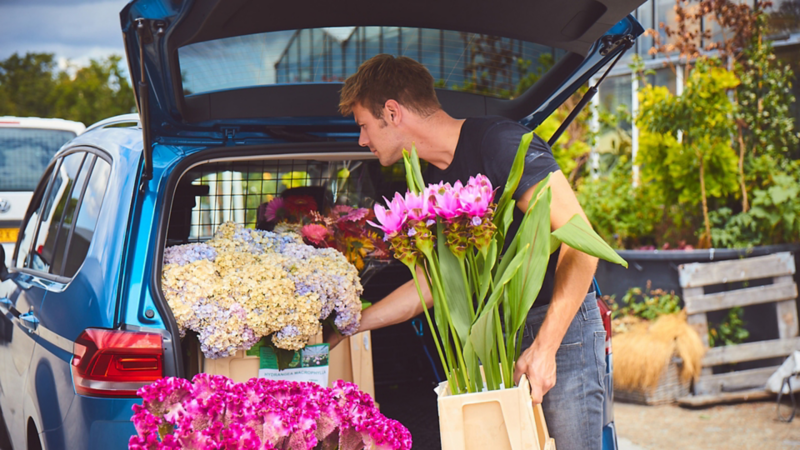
<point x="31" y="85"/>
<point x="731" y="331"/>
<point x="646" y="304"/>
<point x="773" y="218"/>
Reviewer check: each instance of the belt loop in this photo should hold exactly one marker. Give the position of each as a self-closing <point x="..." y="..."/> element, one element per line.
<point x="584" y="311"/>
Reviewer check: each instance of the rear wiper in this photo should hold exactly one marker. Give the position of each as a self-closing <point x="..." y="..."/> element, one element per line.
<point x="625" y="42"/>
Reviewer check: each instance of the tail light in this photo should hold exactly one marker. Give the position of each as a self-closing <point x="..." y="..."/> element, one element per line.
<point x="114" y="363"/>
<point x="605" y="313"/>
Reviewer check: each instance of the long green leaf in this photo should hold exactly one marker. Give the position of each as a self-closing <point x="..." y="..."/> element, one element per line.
<point x="417" y="170"/>
<point x="501" y="219"/>
<point x="410" y="181"/>
<point x="485" y="266"/>
<point x="535" y="234"/>
<point x="482" y="333"/>
<point x="457" y="297"/>
<point x="579" y="235"/>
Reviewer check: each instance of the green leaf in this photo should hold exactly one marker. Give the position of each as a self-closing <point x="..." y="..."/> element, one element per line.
<point x="410" y="181"/>
<point x="579" y="235"/>
<point x="453" y="284"/>
<point x="417" y="169"/>
<point x="502" y="220"/>
<point x="485" y="266"/>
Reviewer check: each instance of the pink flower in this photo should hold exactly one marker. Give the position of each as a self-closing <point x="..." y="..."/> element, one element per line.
<point x="274" y="210"/>
<point x="418" y="206"/>
<point x="475" y="200"/>
<point x="446" y="202"/>
<point x="314" y="233"/>
<point x="391" y="219"/>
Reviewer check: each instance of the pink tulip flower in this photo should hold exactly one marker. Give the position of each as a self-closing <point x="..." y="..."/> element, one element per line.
<point x="418" y="206"/>
<point x="447" y="204"/>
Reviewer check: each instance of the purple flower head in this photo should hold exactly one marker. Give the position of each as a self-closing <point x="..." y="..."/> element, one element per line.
<point x="274" y="210"/>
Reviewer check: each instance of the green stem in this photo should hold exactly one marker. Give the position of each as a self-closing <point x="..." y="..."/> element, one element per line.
<point x="443" y="333"/>
<point x="430" y="325"/>
<point x="467" y="290"/>
<point x="456" y="340"/>
<point x="501" y="349"/>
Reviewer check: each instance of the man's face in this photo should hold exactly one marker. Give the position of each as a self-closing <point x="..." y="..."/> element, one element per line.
<point x="382" y="137"/>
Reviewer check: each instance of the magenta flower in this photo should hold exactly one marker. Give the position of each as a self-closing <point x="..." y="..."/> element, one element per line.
<point x="314" y="233"/>
<point x="391" y="219"/>
<point x="418" y="206"/>
<point x="446" y="202"/>
<point x="274" y="210"/>
<point x="475" y="200"/>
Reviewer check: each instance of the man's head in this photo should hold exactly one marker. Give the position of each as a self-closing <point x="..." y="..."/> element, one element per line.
<point x="384" y="91"/>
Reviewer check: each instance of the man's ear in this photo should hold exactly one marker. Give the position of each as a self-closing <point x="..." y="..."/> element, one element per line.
<point x="392" y="112"/>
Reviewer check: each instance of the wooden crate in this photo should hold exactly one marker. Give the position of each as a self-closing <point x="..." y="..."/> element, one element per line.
<point x="783" y="292"/>
<point x="669" y="389"/>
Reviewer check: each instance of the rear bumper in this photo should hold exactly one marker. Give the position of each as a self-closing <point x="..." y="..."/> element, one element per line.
<point x="94" y="423"/>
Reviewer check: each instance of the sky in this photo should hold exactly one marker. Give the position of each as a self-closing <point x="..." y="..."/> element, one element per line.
<point x="75" y="30"/>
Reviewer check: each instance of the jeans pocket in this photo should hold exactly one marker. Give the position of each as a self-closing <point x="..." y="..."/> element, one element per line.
<point x="600" y="355"/>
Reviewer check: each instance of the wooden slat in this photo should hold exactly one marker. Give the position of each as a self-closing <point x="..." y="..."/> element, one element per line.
<point x="740" y="297"/>
<point x="704" y="274"/>
<point x="787" y="313"/>
<point x="743" y="379"/>
<point x="751" y="351"/>
<point x="700" y="324"/>
<point x="725" y="397"/>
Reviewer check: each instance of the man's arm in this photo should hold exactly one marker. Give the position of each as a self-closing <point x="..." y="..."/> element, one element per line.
<point x="401" y="305"/>
<point x="574" y="273"/>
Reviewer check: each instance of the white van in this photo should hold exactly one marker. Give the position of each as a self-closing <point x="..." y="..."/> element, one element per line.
<point x="27" y="145"/>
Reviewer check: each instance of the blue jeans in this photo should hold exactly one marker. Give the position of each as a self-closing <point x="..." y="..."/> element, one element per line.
<point x="573" y="409"/>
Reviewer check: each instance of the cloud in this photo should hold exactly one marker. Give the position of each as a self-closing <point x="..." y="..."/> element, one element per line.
<point x="73" y="29"/>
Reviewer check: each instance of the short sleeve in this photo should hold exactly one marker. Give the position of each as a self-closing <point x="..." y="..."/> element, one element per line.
<point x="499" y="149"/>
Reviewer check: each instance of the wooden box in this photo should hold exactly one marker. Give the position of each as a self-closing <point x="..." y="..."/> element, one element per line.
<point x="505" y="419"/>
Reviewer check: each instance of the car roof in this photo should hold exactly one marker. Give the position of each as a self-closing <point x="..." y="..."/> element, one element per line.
<point x="43" y="123"/>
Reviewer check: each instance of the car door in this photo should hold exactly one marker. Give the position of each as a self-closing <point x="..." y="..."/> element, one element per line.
<point x="29" y="284"/>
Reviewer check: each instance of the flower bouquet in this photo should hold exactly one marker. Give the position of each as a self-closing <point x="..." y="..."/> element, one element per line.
<point x="244" y="285"/>
<point x="481" y="297"/>
<point x="213" y="412"/>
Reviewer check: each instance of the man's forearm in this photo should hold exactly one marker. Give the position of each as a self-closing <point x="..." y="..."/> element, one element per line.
<point x="573" y="276"/>
<point x="401" y="305"/>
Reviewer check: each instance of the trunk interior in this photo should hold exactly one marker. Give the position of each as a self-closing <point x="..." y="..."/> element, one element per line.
<point x="210" y="192"/>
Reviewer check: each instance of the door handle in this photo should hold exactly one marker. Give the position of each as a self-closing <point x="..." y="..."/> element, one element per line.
<point x="6" y="306"/>
<point x="29" y="321"/>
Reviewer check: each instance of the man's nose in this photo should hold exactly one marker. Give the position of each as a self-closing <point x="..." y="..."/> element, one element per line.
<point x="362" y="139"/>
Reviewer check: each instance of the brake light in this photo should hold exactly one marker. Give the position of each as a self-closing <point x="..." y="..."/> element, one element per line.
<point x="114" y="363"/>
<point x="605" y="313"/>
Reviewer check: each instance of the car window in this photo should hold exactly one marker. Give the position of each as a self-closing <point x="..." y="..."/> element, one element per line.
<point x="86" y="220"/>
<point x="29" y="228"/>
<point x="69" y="215"/>
<point x="468" y="62"/>
<point x="25" y="154"/>
<point x="56" y="206"/>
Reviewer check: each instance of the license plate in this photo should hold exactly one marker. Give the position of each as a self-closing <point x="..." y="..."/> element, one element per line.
<point x="8" y="234"/>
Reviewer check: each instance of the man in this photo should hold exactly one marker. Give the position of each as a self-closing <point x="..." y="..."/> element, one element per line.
<point x="395" y="105"/>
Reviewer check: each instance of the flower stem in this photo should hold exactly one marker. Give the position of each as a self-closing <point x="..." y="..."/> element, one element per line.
<point x="501" y="349"/>
<point x="430" y="325"/>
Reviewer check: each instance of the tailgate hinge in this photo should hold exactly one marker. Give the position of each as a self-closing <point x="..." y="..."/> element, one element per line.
<point x="229" y="134"/>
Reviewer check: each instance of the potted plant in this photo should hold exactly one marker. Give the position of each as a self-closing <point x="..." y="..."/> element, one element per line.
<point x="456" y="234"/>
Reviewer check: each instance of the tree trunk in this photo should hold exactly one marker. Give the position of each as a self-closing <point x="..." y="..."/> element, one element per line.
<point x="745" y="204"/>
<point x="705" y="241"/>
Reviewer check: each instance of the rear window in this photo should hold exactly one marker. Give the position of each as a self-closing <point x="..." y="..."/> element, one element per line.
<point x="469" y="62"/>
<point x="25" y="154"/>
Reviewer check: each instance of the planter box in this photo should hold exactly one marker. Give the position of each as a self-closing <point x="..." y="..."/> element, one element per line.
<point x="499" y="420"/>
<point x="669" y="389"/>
<point x="351" y="361"/>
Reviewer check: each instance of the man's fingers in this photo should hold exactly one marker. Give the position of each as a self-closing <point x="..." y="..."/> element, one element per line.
<point x="517" y="373"/>
<point x="536" y="394"/>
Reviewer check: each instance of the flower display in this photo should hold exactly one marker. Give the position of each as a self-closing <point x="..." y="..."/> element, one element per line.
<point x="246" y="284"/>
<point x="213" y="412"/>
<point x="343" y="228"/>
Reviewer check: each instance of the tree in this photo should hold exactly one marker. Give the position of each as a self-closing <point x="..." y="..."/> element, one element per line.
<point x="25" y="83"/>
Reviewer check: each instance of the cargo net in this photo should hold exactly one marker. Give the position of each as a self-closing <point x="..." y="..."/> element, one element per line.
<point x="215" y="193"/>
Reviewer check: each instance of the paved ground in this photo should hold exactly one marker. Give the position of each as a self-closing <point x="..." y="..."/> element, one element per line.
<point x="742" y="426"/>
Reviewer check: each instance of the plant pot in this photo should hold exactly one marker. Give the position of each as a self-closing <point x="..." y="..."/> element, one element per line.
<point x="668" y="390"/>
<point x="351" y="361"/>
<point x="504" y="419"/>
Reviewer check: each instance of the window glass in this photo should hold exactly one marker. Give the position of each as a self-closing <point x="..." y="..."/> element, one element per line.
<point x="783" y="17"/>
<point x="29" y="229"/>
<point x="69" y="216"/>
<point x="87" y="217"/>
<point x="55" y="207"/>
<point x="25" y="154"/>
<point x="477" y="63"/>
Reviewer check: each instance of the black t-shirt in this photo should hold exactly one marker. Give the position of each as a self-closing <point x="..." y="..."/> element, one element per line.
<point x="488" y="146"/>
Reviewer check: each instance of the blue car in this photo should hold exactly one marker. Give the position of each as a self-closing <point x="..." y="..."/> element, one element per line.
<point x="238" y="104"/>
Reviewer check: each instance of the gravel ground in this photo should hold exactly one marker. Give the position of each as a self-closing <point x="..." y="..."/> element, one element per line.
<point x="752" y="425"/>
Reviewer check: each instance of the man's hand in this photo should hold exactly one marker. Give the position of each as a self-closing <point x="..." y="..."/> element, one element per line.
<point x="539" y="365"/>
<point x="331" y="336"/>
